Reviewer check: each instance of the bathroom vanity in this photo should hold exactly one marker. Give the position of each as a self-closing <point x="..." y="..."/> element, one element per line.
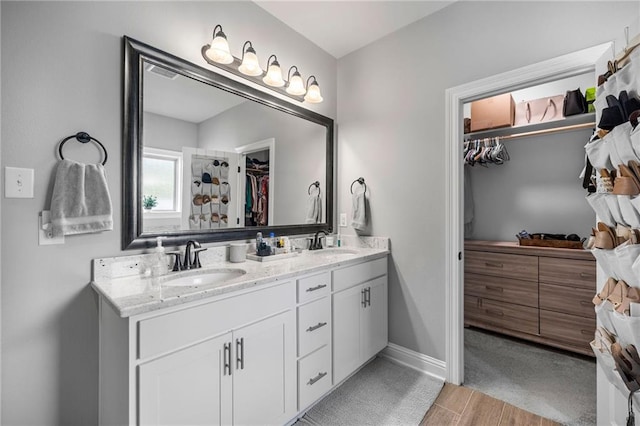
<point x="259" y="347"/>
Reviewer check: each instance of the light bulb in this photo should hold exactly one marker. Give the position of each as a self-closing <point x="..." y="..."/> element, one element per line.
<point x="250" y="65"/>
<point x="274" y="75"/>
<point x="313" y="93"/>
<point x="219" y="49"/>
<point x="296" y="85"/>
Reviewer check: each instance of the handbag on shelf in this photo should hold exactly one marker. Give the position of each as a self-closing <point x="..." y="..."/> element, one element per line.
<point x="574" y="103"/>
<point x="538" y="110"/>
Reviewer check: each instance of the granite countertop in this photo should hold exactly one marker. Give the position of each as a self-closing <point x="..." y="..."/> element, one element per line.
<point x="136" y="293"/>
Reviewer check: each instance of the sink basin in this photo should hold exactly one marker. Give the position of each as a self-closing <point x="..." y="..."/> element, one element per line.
<point x="215" y="276"/>
<point x="334" y="251"/>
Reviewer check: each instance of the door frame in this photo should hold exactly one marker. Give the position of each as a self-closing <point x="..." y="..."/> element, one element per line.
<point x="243" y="150"/>
<point x="557" y="68"/>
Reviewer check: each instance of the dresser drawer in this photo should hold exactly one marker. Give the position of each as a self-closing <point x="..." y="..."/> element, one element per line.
<point x="314" y="286"/>
<point x="567" y="329"/>
<point x="500" y="314"/>
<point x="501" y="265"/>
<point x="568" y="272"/>
<point x="357" y="274"/>
<point x="314" y="325"/>
<point x="568" y="300"/>
<point x="314" y="377"/>
<point x="508" y="290"/>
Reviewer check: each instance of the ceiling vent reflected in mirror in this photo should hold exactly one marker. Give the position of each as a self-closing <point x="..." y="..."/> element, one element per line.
<point x="163" y="72"/>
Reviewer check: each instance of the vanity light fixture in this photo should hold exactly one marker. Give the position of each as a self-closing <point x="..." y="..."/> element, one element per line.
<point x="249" y="65"/>
<point x="218" y="49"/>
<point x="313" y="95"/>
<point x="296" y="85"/>
<point x="274" y="73"/>
<point x="217" y="53"/>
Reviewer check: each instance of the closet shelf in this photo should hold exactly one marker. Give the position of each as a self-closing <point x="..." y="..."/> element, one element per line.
<point x="574" y="122"/>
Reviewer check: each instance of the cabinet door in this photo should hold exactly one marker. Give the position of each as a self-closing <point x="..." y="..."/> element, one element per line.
<point x="264" y="376"/>
<point x="374" y="322"/>
<point x="347" y="305"/>
<point x="189" y="386"/>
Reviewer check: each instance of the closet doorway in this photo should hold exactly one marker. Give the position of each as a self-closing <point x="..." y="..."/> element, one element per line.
<point x="559" y="68"/>
<point x="256" y="181"/>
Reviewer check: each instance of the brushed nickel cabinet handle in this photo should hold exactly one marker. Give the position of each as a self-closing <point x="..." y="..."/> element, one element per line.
<point x="494" y="265"/>
<point x="317" y="326"/>
<point x="315" y="379"/>
<point x="492" y="288"/>
<point x="364" y="297"/>
<point x="585" y="275"/>
<point x="240" y="353"/>
<point x="494" y="312"/>
<point x="227" y="358"/>
<point x="318" y="287"/>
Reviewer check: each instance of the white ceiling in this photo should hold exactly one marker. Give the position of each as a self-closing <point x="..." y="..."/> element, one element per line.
<point x="341" y="27"/>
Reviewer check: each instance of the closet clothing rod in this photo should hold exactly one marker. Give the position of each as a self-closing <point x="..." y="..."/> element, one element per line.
<point x="548" y="131"/>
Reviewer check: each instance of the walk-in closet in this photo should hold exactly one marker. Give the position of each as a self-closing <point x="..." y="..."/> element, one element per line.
<point x="528" y="283"/>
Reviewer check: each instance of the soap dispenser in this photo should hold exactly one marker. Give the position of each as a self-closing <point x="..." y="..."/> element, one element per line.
<point x="160" y="261"/>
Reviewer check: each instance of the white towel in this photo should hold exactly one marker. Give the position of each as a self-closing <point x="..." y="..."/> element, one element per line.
<point x="314" y="208"/>
<point x="80" y="202"/>
<point x="358" y="211"/>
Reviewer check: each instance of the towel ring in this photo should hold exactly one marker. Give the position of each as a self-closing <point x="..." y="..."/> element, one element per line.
<point x="83" y="137"/>
<point x="317" y="185"/>
<point x="360" y="180"/>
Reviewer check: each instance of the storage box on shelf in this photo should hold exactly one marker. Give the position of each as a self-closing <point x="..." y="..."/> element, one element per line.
<point x="534" y="293"/>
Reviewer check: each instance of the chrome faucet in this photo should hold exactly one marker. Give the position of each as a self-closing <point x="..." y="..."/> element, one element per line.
<point x="316" y="243"/>
<point x="192" y="262"/>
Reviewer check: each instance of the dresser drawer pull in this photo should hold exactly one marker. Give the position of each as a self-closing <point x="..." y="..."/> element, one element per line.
<point x="318" y="287"/>
<point x="587" y="332"/>
<point x="494" y="312"/>
<point x="492" y="288"/>
<point x="585" y="275"/>
<point x="315" y="379"/>
<point x="317" y="326"/>
<point x="586" y="303"/>
<point x="494" y="265"/>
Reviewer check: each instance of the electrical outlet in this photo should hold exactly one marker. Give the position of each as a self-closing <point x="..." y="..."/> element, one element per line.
<point x="45" y="236"/>
<point x="18" y="183"/>
<point x="343" y="219"/>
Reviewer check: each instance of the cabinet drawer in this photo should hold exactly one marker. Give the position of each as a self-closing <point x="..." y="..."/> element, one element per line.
<point x="508" y="290"/>
<point x="567" y="329"/>
<point x="568" y="300"/>
<point x="516" y="266"/>
<point x="315" y="286"/>
<point x="314" y="325"/>
<point x="568" y="272"/>
<point x="177" y="329"/>
<point x="314" y="377"/>
<point x="357" y="274"/>
<point x="500" y="314"/>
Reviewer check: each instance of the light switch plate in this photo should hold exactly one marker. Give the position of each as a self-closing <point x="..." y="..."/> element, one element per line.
<point x="343" y="219"/>
<point x="18" y="183"/>
<point x="44" y="230"/>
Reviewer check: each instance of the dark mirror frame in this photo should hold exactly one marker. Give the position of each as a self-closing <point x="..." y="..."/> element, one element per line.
<point x="135" y="53"/>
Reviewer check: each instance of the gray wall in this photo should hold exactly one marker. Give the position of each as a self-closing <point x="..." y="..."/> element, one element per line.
<point x="300" y="150"/>
<point x="170" y="133"/>
<point x="538" y="190"/>
<point x="61" y="73"/>
<point x="392" y="128"/>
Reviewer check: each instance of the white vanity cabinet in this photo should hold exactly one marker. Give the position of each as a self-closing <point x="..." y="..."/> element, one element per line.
<point x="229" y="361"/>
<point x="359" y="302"/>
<point x="258" y="355"/>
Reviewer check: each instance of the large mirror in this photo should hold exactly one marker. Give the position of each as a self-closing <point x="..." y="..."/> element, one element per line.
<point x="212" y="159"/>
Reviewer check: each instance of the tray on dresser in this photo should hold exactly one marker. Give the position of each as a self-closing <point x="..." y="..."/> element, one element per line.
<point x="538" y="242"/>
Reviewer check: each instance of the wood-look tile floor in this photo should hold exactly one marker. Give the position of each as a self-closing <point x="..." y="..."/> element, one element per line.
<point x="460" y="406"/>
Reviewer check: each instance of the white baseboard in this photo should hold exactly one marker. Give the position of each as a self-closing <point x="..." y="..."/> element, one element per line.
<point x="423" y="363"/>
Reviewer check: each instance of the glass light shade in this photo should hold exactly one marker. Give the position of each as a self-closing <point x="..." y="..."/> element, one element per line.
<point x="313" y="94"/>
<point x="274" y="76"/>
<point x="296" y="85"/>
<point x="219" y="50"/>
<point x="250" y="65"/>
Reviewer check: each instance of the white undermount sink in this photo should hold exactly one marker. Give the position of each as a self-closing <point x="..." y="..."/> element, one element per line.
<point x="207" y="277"/>
<point x="335" y="251"/>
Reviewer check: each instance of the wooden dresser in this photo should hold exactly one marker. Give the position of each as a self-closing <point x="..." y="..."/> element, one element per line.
<point x="534" y="293"/>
